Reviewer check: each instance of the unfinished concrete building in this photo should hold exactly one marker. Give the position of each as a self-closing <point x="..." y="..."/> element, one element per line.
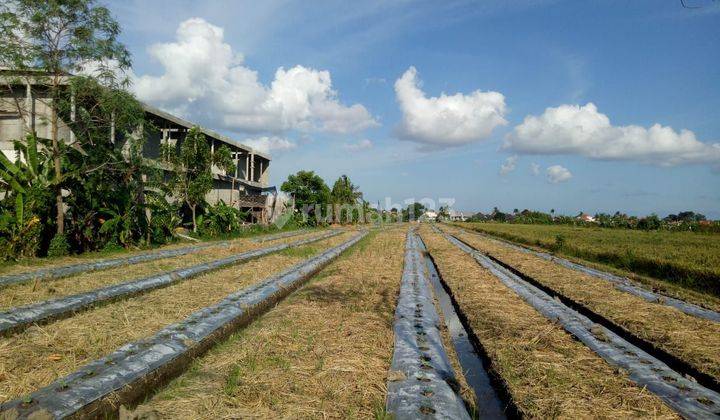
<point x="25" y="106"/>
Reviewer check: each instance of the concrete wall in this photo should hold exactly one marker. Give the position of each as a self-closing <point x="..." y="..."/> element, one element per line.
<point x="17" y="110"/>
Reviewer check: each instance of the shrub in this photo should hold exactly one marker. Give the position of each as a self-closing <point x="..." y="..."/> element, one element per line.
<point x="221" y="219"/>
<point x="59" y="246"/>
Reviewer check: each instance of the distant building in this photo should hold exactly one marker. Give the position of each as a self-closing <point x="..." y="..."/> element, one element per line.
<point x="428" y="216"/>
<point x="25" y="106"/>
<point x="584" y="217"/>
<point x="457" y="216"/>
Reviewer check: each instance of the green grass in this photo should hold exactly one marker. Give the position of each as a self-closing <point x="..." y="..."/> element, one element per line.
<point x="688" y="259"/>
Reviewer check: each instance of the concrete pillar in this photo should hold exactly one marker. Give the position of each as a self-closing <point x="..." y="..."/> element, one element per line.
<point x="247" y="167"/>
<point x="72" y="113"/>
<point x="112" y="127"/>
<point x="30" y="122"/>
<point x="252" y="167"/>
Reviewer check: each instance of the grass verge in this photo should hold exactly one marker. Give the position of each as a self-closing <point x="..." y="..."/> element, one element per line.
<point x="548" y="373"/>
<point x="324" y="352"/>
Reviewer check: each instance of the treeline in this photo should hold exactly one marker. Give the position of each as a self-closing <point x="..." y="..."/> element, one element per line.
<point x="683" y="221"/>
<point x="315" y="203"/>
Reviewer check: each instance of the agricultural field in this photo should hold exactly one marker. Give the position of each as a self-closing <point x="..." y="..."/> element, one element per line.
<point x="686" y="259"/>
<point x="396" y="321"/>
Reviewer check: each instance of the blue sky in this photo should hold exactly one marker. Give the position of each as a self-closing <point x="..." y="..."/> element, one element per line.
<point x="593" y="78"/>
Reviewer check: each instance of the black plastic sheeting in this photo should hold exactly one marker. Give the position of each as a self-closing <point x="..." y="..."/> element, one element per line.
<point x="17" y="319"/>
<point x="487" y="401"/>
<point x="419" y="383"/>
<point x="687" y="397"/>
<point x="281" y="235"/>
<point x="53" y="273"/>
<point x="620" y="283"/>
<point x="135" y="369"/>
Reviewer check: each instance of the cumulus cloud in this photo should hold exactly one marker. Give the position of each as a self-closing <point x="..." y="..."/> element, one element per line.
<point x="535" y="169"/>
<point x="446" y="120"/>
<point x="557" y="174"/>
<point x="582" y="130"/>
<point x="205" y="78"/>
<point x="363" y="144"/>
<point x="267" y="144"/>
<point x="508" y="166"/>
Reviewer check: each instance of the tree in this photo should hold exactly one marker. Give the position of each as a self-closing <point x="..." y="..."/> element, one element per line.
<point x="192" y="178"/>
<point x="413" y="211"/>
<point x="307" y="189"/>
<point x="344" y="192"/>
<point x="104" y="171"/>
<point x="54" y="39"/>
<point x="444" y="212"/>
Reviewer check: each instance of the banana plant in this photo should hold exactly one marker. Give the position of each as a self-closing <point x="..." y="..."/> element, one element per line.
<point x="32" y="169"/>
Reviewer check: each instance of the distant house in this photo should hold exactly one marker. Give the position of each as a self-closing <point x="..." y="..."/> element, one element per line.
<point x="584" y="217"/>
<point x="457" y="216"/>
<point x="428" y="216"/>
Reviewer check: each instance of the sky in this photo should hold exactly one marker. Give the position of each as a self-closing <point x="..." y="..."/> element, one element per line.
<point x="593" y="106"/>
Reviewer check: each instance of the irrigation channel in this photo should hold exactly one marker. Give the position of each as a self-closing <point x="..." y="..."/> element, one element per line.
<point x="53" y="273"/>
<point x="17" y="319"/>
<point x="644" y="366"/>
<point x="621" y="283"/>
<point x="422" y="381"/>
<point x="136" y="369"/>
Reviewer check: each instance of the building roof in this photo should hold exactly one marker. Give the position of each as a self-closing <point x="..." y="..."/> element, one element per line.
<point x="4" y="72"/>
<point x="210" y="133"/>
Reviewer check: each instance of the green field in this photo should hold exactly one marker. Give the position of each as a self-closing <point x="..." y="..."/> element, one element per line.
<point x="689" y="259"/>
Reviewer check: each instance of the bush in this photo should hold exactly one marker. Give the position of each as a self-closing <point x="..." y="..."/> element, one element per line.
<point x="20" y="229"/>
<point x="221" y="219"/>
<point x="59" y="246"/>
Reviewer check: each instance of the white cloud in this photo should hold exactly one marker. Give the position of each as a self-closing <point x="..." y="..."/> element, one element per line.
<point x="203" y="77"/>
<point x="508" y="166"/>
<point x="363" y="144"/>
<point x="557" y="174"/>
<point x="582" y="130"/>
<point x="447" y="120"/>
<point x="267" y="144"/>
<point x="535" y="169"/>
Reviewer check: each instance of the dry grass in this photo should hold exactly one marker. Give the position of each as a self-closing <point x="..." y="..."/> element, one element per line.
<point x="40" y="355"/>
<point x="695" y="340"/>
<point x="665" y="287"/>
<point x="32" y="292"/>
<point x="547" y="372"/>
<point x="676" y="259"/>
<point x="324" y="352"/>
<point x="31" y="264"/>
